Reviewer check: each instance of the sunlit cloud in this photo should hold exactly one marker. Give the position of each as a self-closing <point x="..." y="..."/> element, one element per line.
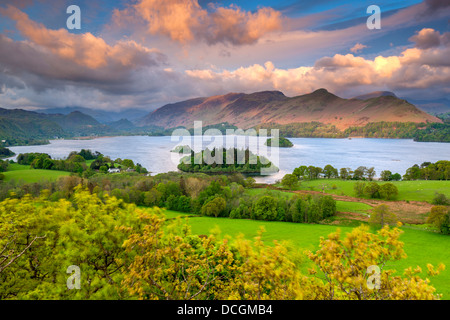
<point x="186" y="21"/>
<point x="357" y="48"/>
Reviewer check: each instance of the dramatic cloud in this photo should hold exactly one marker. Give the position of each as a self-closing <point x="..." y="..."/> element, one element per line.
<point x="436" y="5"/>
<point x="56" y="59"/>
<point x="84" y="49"/>
<point x="223" y="49"/>
<point x="186" y="21"/>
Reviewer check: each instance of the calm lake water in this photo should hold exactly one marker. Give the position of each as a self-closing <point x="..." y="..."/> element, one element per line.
<point x="154" y="153"/>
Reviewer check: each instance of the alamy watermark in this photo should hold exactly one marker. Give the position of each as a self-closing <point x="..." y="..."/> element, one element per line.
<point x="74" y="20"/>
<point x="374" y="21"/>
<point x="374" y="279"/>
<point x="74" y="281"/>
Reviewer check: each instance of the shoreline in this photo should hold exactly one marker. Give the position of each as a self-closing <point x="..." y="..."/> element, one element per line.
<point x="146" y="135"/>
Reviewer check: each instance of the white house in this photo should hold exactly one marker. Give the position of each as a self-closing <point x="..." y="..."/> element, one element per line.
<point x="113" y="170"/>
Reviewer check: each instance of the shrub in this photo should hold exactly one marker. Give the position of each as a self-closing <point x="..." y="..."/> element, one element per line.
<point x="289" y="181"/>
<point x="388" y="191"/>
<point x="372" y="190"/>
<point x="441" y="199"/>
<point x="439" y="217"/>
<point x="359" y="187"/>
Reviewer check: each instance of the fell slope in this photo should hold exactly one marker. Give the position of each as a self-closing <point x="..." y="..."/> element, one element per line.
<point x="248" y="110"/>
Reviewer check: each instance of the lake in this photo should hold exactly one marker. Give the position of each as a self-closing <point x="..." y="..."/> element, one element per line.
<point x="153" y="153"/>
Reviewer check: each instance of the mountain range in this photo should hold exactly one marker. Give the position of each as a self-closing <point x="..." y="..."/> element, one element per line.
<point x="19" y="126"/>
<point x="240" y="110"/>
<point x="249" y="110"/>
<point x="102" y="116"/>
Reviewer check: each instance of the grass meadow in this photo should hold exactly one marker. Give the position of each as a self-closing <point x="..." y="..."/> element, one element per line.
<point x="421" y="246"/>
<point x="25" y="173"/>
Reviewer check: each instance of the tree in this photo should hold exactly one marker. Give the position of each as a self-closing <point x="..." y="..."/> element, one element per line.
<point x="98" y="162"/>
<point x="345" y="265"/>
<point x="267" y="272"/>
<point x="290" y="181"/>
<point x="386" y="175"/>
<point x="388" y="191"/>
<point x="3" y="165"/>
<point x="383" y="216"/>
<point x="372" y="190"/>
<point x="59" y="234"/>
<point x="360" y="173"/>
<point x="74" y="157"/>
<point x="344" y="174"/>
<point x="330" y="172"/>
<point x="359" y="187"/>
<point x="328" y="206"/>
<point x="214" y="207"/>
<point x="440" y="199"/>
<point x="152" y="197"/>
<point x="265" y="208"/>
<point x="370" y="173"/>
<point x="171" y="264"/>
<point x="249" y="182"/>
<point x="88" y="155"/>
<point x="314" y="172"/>
<point x="439" y="217"/>
<point x="300" y="171"/>
<point x="127" y="163"/>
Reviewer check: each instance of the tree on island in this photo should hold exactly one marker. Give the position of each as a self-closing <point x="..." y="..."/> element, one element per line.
<point x="182" y="149"/>
<point x="6" y="153"/>
<point x="220" y="160"/>
<point x="282" y="143"/>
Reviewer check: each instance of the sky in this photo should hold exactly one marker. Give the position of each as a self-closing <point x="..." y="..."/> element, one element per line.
<point x="147" y="53"/>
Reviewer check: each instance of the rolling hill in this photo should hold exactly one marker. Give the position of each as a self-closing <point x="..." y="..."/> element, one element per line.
<point x="19" y="126"/>
<point x="249" y="110"/>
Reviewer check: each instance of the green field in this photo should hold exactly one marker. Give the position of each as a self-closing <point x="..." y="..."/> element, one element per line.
<point x="421" y="246"/>
<point x="21" y="172"/>
<point x="420" y="190"/>
<point x="348" y="206"/>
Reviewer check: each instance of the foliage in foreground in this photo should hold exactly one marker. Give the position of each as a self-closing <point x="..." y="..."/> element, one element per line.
<point x="127" y="253"/>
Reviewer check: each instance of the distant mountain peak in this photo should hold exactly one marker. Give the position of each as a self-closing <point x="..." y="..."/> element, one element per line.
<point x="320" y="91"/>
<point x="376" y="94"/>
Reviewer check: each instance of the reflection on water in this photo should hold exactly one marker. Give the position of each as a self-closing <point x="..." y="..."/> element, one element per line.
<point x="154" y="153"/>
